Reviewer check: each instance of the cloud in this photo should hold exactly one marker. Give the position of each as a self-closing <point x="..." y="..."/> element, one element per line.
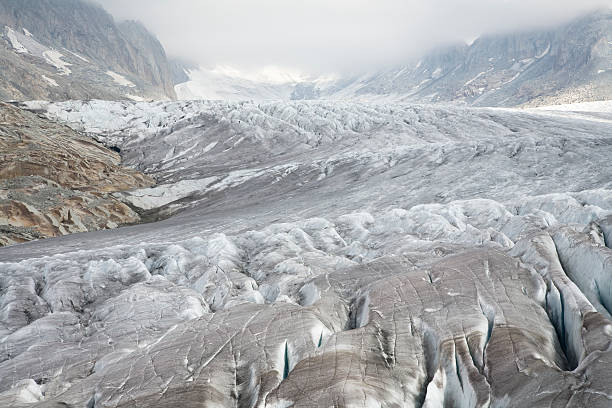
<point x="331" y="35"/>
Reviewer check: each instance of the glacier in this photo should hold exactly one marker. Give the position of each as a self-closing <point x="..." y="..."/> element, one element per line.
<point x="321" y="253"/>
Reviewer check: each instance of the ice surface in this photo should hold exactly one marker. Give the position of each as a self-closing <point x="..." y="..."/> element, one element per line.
<point x="325" y="254"/>
<point x="17" y="46"/>
<point x="51" y="81"/>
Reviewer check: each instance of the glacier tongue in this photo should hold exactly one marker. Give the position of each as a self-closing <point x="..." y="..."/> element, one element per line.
<point x="380" y="155"/>
<point x="325" y="254"/>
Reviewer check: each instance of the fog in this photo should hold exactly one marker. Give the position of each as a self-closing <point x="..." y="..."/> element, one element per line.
<point x="324" y="36"/>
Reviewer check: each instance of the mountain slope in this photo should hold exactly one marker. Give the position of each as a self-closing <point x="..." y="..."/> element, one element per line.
<point x="55" y="181"/>
<point x="73" y="49"/>
<point x="572" y="63"/>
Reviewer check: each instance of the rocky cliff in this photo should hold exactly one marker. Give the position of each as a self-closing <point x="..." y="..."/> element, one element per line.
<point x="568" y="64"/>
<point x="73" y="49"/>
<point x="54" y="181"/>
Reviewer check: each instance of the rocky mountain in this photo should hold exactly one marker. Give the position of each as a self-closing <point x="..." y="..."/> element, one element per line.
<point x="326" y="254"/>
<point x="55" y="181"/>
<point x="73" y="49"/>
<point x="567" y="64"/>
<point x="572" y="63"/>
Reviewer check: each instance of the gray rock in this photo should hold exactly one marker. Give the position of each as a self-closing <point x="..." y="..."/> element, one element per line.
<point x="89" y="42"/>
<point x="567" y="64"/>
<point x="55" y="181"/>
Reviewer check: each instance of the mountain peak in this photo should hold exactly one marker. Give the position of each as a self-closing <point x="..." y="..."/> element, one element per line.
<point x="42" y="38"/>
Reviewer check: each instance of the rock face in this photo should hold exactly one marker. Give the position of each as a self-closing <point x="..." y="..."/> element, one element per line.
<point x="572" y="63"/>
<point x="326" y="254"/>
<point x="54" y="181"/>
<point x="72" y="49"/>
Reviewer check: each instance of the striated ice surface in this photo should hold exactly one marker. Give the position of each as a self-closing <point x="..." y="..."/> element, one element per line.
<point x="325" y="254"/>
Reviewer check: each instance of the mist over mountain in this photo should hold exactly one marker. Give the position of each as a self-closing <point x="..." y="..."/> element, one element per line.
<point x="570" y="63"/>
<point x="343" y="37"/>
<point x="70" y="49"/>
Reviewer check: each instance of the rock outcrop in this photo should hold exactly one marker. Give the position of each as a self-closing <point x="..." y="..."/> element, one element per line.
<point x="73" y="49"/>
<point x="55" y="181"/>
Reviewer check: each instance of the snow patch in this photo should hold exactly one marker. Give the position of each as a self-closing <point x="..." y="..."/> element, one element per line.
<point x="135" y="98"/>
<point x="210" y="146"/>
<point x="596" y="106"/>
<point x="77" y="55"/>
<point x="53" y="57"/>
<point x="544" y="53"/>
<point x="50" y="81"/>
<point x="12" y="37"/>
<point x="120" y="79"/>
<point x="153" y="197"/>
<point x="475" y="78"/>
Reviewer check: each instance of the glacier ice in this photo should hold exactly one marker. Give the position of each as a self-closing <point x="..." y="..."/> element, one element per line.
<point x="325" y="254"/>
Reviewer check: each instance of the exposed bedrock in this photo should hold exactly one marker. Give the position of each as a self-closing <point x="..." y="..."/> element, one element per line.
<point x="55" y="181"/>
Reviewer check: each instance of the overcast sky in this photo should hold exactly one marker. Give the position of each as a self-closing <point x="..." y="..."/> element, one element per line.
<point x="321" y="36"/>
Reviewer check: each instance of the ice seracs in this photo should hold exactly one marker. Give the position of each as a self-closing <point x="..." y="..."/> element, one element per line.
<point x="325" y="253"/>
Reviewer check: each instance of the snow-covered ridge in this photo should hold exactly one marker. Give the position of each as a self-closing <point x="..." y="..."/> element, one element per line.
<point x="231" y="84"/>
